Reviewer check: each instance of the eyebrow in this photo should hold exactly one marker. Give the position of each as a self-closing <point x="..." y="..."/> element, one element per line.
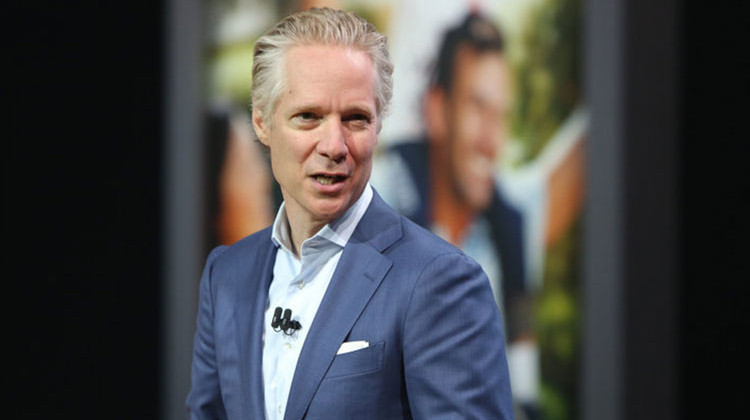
<point x="353" y="109"/>
<point x="356" y="109"/>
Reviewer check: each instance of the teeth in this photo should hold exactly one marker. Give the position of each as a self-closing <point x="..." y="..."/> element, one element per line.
<point x="325" y="180"/>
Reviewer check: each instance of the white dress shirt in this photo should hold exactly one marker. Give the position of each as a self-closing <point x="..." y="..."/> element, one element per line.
<point x="299" y="284"/>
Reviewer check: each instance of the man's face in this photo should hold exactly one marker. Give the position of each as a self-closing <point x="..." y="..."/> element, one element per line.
<point x="476" y="115"/>
<point x="323" y="130"/>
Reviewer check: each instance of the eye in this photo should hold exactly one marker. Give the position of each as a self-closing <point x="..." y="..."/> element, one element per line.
<point x="357" y="120"/>
<point x="306" y="116"/>
<point x="306" y="119"/>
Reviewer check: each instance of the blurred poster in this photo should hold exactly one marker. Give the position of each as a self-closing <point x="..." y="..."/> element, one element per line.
<point x="483" y="145"/>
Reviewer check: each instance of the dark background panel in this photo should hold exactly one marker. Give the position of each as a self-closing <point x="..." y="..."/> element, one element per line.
<point x="81" y="207"/>
<point x="651" y="209"/>
<point x="715" y="224"/>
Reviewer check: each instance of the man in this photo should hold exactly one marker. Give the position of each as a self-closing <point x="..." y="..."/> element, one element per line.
<point x="381" y="319"/>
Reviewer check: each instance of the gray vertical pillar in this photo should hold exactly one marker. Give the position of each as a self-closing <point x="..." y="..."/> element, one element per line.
<point x="630" y="348"/>
<point x="602" y="358"/>
<point x="183" y="194"/>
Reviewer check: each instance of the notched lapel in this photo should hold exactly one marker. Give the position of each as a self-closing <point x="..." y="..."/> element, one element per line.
<point x="358" y="275"/>
<point x="251" y="288"/>
<point x="360" y="272"/>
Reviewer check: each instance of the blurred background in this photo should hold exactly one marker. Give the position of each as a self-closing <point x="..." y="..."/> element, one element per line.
<point x="619" y="145"/>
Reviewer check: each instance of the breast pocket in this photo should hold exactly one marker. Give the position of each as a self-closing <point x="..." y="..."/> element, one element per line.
<point x="358" y="362"/>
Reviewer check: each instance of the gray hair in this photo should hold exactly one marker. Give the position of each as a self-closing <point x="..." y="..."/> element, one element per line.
<point x="317" y="26"/>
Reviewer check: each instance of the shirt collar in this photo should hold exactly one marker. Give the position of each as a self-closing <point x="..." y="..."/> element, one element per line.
<point x="337" y="231"/>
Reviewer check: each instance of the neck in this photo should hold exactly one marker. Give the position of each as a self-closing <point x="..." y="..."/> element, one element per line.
<point x="301" y="228"/>
<point x="449" y="211"/>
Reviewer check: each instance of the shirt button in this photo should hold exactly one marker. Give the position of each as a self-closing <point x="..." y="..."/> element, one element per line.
<point x="279" y="408"/>
<point x="301" y="285"/>
<point x="287" y="346"/>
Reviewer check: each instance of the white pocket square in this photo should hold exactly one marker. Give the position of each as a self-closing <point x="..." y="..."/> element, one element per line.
<point x="351" y="346"/>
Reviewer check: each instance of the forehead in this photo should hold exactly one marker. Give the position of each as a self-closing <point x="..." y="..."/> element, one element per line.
<point x="477" y="67"/>
<point x="332" y="72"/>
<point x="483" y="76"/>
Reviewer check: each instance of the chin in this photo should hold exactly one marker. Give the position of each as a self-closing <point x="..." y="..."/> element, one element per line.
<point x="478" y="205"/>
<point x="479" y="200"/>
<point x="330" y="210"/>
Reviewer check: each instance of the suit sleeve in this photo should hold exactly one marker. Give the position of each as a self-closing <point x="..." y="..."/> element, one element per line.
<point x="454" y="347"/>
<point x="204" y="400"/>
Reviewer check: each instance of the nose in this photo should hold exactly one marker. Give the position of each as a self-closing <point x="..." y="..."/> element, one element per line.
<point x="490" y="135"/>
<point x="332" y="144"/>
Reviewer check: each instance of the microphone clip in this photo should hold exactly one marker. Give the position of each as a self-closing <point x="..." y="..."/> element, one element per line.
<point x="284" y="323"/>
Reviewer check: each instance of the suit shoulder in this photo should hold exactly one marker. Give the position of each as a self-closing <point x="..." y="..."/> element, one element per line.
<point x="419" y="242"/>
<point x="259" y="238"/>
<point x="249" y="245"/>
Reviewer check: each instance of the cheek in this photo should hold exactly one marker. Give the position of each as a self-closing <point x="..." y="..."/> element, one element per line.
<point x="463" y="145"/>
<point x="362" y="148"/>
<point x="277" y="167"/>
<point x="287" y="150"/>
<point x="475" y="126"/>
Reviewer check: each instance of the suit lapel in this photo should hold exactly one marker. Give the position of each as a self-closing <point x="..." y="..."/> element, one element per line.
<point x="252" y="294"/>
<point x="360" y="271"/>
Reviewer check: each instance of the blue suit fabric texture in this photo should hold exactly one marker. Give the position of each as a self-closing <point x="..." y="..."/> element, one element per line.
<point x="436" y="338"/>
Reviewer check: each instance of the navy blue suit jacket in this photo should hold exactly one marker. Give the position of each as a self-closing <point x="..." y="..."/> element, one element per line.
<point x="436" y="339"/>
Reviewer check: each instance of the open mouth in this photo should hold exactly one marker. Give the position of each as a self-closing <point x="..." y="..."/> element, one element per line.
<point x="329" y="179"/>
<point x="481" y="167"/>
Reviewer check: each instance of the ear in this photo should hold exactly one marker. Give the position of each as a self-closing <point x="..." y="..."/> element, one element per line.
<point x="260" y="127"/>
<point x="434" y="113"/>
